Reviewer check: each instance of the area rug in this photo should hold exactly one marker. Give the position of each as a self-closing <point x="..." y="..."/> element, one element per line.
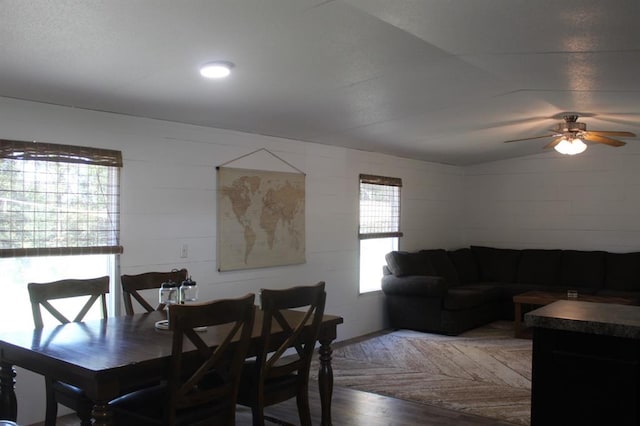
<point x="484" y="371"/>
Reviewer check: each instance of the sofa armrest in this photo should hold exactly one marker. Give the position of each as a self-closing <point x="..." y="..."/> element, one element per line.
<point x="414" y="285"/>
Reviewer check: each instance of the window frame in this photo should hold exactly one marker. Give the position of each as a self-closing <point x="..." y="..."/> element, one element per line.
<point x="386" y="229"/>
<point x="16" y="243"/>
<point x="99" y="186"/>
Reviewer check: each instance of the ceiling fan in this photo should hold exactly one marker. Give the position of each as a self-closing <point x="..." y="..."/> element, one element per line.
<point x="570" y="134"/>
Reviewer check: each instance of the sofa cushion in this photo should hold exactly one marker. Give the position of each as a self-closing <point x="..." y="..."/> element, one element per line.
<point x="442" y="265"/>
<point x="496" y="264"/>
<point x="622" y="271"/>
<point x="414" y="286"/>
<point x="539" y="267"/>
<point x="466" y="297"/>
<point x="402" y="263"/>
<point x="465" y="264"/>
<point x="582" y="269"/>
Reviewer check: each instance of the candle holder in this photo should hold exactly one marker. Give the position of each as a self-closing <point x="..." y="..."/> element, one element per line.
<point x="168" y="295"/>
<point x="188" y="291"/>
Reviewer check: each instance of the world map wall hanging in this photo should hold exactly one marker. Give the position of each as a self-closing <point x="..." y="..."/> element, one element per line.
<point x="261" y="218"/>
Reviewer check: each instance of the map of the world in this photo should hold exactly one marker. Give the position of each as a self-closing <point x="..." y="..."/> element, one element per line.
<point x="260" y="218"/>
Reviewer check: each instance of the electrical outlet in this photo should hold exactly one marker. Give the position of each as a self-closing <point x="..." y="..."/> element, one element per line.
<point x="184" y="253"/>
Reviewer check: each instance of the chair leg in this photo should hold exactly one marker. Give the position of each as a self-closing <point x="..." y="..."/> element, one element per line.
<point x="84" y="421"/>
<point x="257" y="413"/>
<point x="84" y="413"/>
<point x="51" y="414"/>
<point x="302" y="399"/>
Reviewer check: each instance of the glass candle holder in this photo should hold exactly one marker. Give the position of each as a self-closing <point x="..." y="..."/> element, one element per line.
<point x="168" y="293"/>
<point x="188" y="291"/>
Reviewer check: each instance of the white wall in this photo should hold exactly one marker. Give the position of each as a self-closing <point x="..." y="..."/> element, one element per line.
<point x="590" y="201"/>
<point x="169" y="199"/>
<point x="586" y="202"/>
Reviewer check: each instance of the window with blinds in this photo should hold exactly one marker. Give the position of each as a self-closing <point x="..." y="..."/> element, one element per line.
<point x="58" y="200"/>
<point x="379" y="229"/>
<point x="379" y="207"/>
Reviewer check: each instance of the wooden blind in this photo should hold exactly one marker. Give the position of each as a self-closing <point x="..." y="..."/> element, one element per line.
<point x="58" y="199"/>
<point x="41" y="151"/>
<point x="379" y="207"/>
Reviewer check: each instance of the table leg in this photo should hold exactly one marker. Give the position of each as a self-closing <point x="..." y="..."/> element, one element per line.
<point x="325" y="380"/>
<point x="8" y="401"/>
<point x="517" y="325"/>
<point x="102" y="414"/>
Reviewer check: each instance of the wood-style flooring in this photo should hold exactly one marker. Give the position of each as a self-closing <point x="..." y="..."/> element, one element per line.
<point x="356" y="408"/>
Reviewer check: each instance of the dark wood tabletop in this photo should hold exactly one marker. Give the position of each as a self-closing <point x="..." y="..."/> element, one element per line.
<point x="107" y="357"/>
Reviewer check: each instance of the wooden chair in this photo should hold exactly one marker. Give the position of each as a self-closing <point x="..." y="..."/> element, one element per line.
<point x="272" y="378"/>
<point x="202" y="386"/>
<point x="41" y="294"/>
<point x="131" y="284"/>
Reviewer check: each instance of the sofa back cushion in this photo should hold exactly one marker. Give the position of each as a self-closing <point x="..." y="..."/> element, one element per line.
<point x="540" y="267"/>
<point x="465" y="264"/>
<point x="403" y="263"/>
<point x="442" y="265"/>
<point x="622" y="271"/>
<point x="497" y="264"/>
<point x="582" y="269"/>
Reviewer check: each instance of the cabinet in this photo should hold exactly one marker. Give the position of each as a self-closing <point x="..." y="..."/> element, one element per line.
<point x="586" y="364"/>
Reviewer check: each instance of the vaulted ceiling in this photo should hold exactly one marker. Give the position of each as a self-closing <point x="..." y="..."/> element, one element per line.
<point x="437" y="80"/>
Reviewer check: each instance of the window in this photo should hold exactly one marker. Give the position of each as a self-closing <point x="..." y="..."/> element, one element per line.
<point x="60" y="218"/>
<point x="379" y="226"/>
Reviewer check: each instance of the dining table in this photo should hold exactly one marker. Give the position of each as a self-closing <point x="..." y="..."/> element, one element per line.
<point x="108" y="357"/>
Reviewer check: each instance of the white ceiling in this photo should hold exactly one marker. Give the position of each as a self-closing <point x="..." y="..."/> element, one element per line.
<point x="438" y="80"/>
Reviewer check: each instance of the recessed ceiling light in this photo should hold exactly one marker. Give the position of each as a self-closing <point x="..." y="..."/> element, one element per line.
<point x="218" y="69"/>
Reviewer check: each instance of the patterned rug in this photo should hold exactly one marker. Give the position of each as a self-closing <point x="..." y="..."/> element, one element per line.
<point x="485" y="371"/>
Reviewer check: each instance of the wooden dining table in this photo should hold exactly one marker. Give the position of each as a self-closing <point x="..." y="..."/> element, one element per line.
<point x="110" y="356"/>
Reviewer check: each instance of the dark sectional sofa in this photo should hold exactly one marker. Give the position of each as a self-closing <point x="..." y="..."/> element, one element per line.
<point x="450" y="291"/>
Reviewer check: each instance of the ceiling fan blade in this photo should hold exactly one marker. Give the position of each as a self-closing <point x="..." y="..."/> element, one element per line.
<point x="553" y="143"/>
<point x="526" y="139"/>
<point x="610" y="133"/>
<point x="514" y="122"/>
<point x="618" y="118"/>
<point x="603" y="139"/>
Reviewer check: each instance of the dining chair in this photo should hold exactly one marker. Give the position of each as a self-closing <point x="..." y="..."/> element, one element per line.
<point x="202" y="384"/>
<point x="275" y="376"/>
<point x="132" y="284"/>
<point x="41" y="295"/>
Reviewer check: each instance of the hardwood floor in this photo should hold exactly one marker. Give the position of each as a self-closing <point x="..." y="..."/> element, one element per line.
<point x="356" y="408"/>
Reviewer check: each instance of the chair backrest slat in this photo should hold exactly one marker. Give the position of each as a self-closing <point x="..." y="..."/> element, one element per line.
<point x="301" y="334"/>
<point x="132" y="284"/>
<point x="41" y="294"/>
<point x="209" y="374"/>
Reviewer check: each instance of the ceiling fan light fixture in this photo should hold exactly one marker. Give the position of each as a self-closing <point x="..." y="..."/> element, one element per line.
<point x="217" y="69"/>
<point x="571" y="134"/>
<point x="570" y="146"/>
